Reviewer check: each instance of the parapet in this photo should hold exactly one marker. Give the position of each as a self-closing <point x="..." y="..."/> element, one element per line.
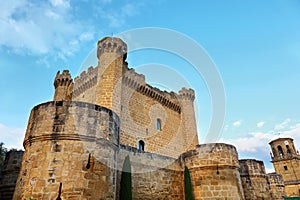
<point x="137" y="82"/>
<point x="188" y="94"/>
<point x="87" y="79"/>
<point x="146" y="161"/>
<point x="212" y="155"/>
<point x="275" y="179"/>
<point x="71" y="120"/>
<point x="63" y="79"/>
<point x="111" y="45"/>
<point x="252" y="167"/>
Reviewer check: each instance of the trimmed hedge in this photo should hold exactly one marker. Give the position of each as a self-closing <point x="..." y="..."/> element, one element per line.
<point x="126" y="184"/>
<point x="188" y="189"/>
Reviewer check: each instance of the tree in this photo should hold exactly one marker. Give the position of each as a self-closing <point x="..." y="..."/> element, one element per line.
<point x="126" y="184"/>
<point x="188" y="189"/>
<point x="3" y="151"/>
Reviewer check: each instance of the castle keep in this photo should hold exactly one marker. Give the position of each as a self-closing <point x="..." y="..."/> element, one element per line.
<point x="75" y="145"/>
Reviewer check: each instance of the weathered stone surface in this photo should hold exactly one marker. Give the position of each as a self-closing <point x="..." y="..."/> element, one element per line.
<point x="254" y="179"/>
<point x="9" y="174"/>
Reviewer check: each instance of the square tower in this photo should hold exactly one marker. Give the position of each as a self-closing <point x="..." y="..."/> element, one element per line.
<point x="286" y="161"/>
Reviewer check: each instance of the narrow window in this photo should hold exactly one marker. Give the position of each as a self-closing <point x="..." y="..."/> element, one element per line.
<point x="280" y="151"/>
<point x="288" y="149"/>
<point x="285" y="168"/>
<point x="158" y="124"/>
<point x="141" y="145"/>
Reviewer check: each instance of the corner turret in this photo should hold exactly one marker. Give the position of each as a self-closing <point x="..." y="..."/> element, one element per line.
<point x="187" y="94"/>
<point x="190" y="135"/>
<point x="63" y="84"/>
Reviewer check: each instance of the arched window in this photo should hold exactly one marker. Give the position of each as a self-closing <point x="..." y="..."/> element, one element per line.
<point x="280" y="151"/>
<point x="141" y="146"/>
<point x="158" y="124"/>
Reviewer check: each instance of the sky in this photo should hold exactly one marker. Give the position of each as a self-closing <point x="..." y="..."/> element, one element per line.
<point x="255" y="46"/>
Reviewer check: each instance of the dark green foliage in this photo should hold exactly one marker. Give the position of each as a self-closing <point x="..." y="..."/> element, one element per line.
<point x="126" y="185"/>
<point x="188" y="189"/>
<point x="3" y="151"/>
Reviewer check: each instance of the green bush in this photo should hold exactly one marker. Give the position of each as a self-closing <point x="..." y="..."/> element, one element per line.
<point x="188" y="189"/>
<point x="126" y="184"/>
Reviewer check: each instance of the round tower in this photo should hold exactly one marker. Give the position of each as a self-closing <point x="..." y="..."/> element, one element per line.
<point x="214" y="170"/>
<point x="111" y="53"/>
<point x="186" y="99"/>
<point x="63" y="84"/>
<point x="62" y="157"/>
<point x="286" y="161"/>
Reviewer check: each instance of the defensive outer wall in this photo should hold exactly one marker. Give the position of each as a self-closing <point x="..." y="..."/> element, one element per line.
<point x="63" y="137"/>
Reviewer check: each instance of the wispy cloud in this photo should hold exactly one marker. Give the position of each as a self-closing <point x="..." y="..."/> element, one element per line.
<point x="60" y="3"/>
<point x="282" y="125"/>
<point x="237" y="123"/>
<point x="58" y="28"/>
<point x="256" y="142"/>
<point x="118" y="17"/>
<point x="260" y="124"/>
<point x="12" y="137"/>
<point x="40" y="28"/>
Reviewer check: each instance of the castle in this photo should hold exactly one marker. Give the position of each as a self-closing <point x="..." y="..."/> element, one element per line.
<point x="75" y="145"/>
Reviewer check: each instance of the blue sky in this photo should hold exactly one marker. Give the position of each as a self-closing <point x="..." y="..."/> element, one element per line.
<point x="255" y="45"/>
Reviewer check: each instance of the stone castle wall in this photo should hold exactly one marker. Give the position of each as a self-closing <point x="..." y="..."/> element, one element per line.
<point x="214" y="172"/>
<point x="9" y="174"/>
<point x="77" y="144"/>
<point x="254" y="179"/>
<point x="153" y="176"/>
<point x="113" y="85"/>
<point x="60" y="138"/>
<point x="276" y="186"/>
<point x="63" y="137"/>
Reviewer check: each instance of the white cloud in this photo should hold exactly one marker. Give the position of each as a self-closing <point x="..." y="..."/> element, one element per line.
<point x="251" y="142"/>
<point x="237" y="123"/>
<point x="260" y="124"/>
<point x="257" y="142"/>
<point x="226" y="127"/>
<point x="53" y="28"/>
<point x="117" y="17"/>
<point x="12" y="137"/>
<point x="270" y="170"/>
<point x="40" y="28"/>
<point x="60" y="3"/>
<point x="51" y="14"/>
<point x="282" y="125"/>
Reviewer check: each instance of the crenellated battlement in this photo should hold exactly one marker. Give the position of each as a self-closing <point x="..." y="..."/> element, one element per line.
<point x="85" y="81"/>
<point x="252" y="167"/>
<point x="63" y="79"/>
<point x="137" y="82"/>
<point x="111" y="44"/>
<point x="188" y="94"/>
